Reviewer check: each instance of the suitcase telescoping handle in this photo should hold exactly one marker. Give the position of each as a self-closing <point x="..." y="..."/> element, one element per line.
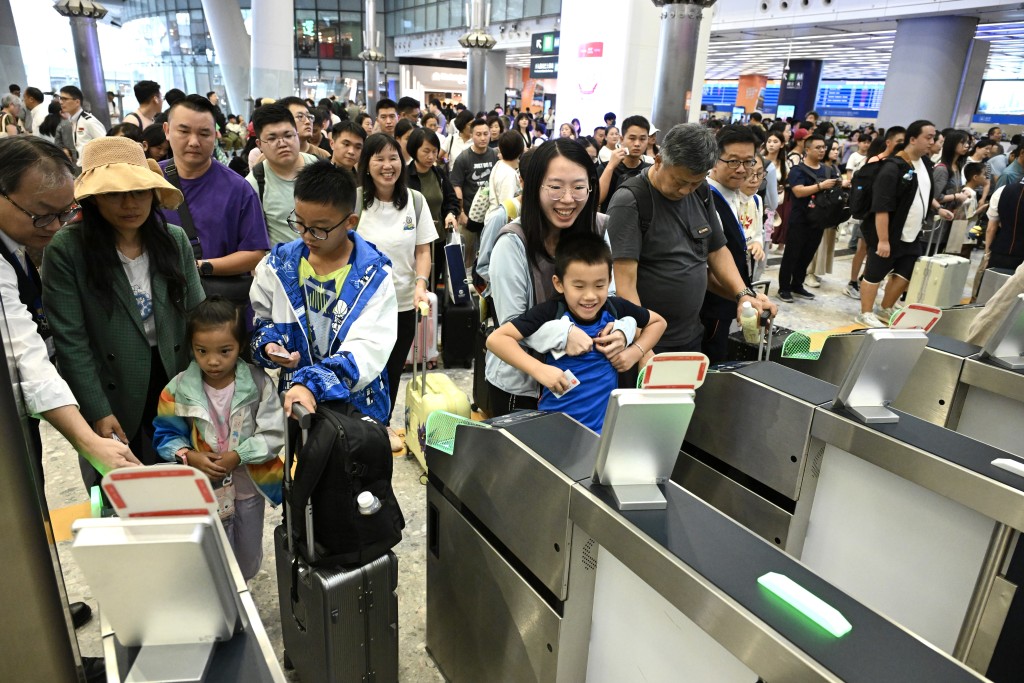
<point x="764" y="349"/>
<point x="419" y="344"/>
<point x="305" y="420"/>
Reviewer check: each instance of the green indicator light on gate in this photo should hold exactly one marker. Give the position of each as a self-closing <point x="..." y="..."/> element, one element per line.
<point x="96" y="501"/>
<point x="808" y="604"/>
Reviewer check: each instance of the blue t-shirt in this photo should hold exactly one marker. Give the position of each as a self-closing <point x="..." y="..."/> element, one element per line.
<point x="589" y="400"/>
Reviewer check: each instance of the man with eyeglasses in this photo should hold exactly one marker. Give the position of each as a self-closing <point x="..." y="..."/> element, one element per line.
<point x="338" y="349"/>
<point x="221" y="212"/>
<point x="803" y="235"/>
<point x="36" y="199"/>
<point x="304" y="125"/>
<point x="736" y="149"/>
<point x="668" y="243"/>
<point x="274" y="177"/>
<point x="85" y="126"/>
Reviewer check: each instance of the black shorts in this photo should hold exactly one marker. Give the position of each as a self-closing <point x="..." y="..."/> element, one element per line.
<point x="901" y="260"/>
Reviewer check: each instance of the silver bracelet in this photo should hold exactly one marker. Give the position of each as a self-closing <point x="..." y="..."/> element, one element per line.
<point x="642" y="352"/>
<point x="426" y="281"/>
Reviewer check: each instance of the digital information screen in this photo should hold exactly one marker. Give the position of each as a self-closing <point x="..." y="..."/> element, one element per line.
<point x="1001" y="102"/>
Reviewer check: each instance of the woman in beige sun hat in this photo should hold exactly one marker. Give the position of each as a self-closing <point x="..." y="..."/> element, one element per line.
<point x="117" y="287"/>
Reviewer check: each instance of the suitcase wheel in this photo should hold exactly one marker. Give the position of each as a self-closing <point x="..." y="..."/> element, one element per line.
<point x="288" y="666"/>
<point x="423" y="479"/>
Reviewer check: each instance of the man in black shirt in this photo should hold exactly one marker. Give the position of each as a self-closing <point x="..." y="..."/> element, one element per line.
<point x="627" y="161"/>
<point x="803" y="235"/>
<point x="470" y="172"/>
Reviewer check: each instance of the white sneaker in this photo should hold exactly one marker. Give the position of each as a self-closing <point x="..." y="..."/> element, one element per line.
<point x="869" y="320"/>
<point x="396" y="441"/>
<point x="812" y="281"/>
<point x="884" y="314"/>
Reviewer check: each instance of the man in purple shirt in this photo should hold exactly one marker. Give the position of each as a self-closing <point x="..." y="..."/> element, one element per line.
<point x="225" y="209"/>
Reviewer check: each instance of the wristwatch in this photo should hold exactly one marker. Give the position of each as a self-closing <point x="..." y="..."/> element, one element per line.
<point x="205" y="268"/>
<point x="746" y="291"/>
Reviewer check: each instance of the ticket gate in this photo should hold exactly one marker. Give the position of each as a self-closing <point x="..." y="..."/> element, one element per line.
<point x="910" y="518"/>
<point x="534" y="573"/>
<point x="927" y="394"/>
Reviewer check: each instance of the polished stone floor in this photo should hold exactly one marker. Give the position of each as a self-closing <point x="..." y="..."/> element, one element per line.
<point x="831" y="309"/>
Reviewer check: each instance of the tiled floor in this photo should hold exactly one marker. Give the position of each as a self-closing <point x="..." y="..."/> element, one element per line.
<point x="830" y="309"/>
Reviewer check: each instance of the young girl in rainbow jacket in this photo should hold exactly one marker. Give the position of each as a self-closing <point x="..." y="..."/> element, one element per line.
<point x="223" y="417"/>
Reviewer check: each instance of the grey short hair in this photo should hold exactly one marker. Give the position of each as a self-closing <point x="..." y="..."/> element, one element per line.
<point x="9" y="99"/>
<point x="691" y="146"/>
<point x="20" y="153"/>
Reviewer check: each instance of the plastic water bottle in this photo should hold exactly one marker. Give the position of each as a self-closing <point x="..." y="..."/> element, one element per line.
<point x="748" y="321"/>
<point x="368" y="503"/>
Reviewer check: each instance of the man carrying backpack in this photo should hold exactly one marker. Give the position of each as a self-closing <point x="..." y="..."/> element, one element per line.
<point x="901" y="200"/>
<point x="810" y="182"/>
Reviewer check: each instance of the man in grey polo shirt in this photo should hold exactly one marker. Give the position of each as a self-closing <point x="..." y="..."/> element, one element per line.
<point x="682" y="253"/>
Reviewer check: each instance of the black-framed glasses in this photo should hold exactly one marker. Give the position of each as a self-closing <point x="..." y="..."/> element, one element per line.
<point x="733" y="164"/>
<point x="275" y="139"/>
<point x="318" y="233"/>
<point x="43" y="220"/>
<point x="758" y="176"/>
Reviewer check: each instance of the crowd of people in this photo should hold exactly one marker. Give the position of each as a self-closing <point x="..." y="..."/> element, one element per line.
<point x="188" y="252"/>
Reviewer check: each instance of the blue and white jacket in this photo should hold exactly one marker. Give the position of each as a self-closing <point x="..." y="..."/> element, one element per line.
<point x="364" y="330"/>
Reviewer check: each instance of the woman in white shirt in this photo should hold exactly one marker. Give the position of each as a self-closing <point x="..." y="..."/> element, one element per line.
<point x="504" y="181"/>
<point x="397" y="220"/>
<point x="611" y="143"/>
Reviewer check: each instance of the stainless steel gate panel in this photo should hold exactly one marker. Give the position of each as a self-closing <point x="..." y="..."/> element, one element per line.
<point x="484" y="621"/>
<point x="930" y="389"/>
<point x="519" y="496"/>
<point x="755" y="428"/>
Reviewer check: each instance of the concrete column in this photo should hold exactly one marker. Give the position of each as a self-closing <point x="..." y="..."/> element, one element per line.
<point x="12" y="65"/>
<point x="83" y="15"/>
<point x="273" y="48"/>
<point x="478" y="42"/>
<point x="495" y="79"/>
<point x="372" y="56"/>
<point x="677" y="57"/>
<point x="700" y="66"/>
<point x="969" y="93"/>
<point x="233" y="46"/>
<point x="925" y="53"/>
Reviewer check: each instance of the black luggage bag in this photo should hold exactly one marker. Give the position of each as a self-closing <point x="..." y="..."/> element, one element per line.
<point x="339" y="623"/>
<point x="459" y="332"/>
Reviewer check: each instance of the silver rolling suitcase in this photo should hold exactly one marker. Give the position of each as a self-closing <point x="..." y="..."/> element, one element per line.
<point x="339" y="625"/>
<point x="938" y="280"/>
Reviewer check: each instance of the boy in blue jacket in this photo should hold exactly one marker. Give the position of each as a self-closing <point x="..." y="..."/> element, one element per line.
<point x="325" y="303"/>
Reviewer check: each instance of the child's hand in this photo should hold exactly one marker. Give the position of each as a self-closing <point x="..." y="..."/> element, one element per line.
<point x="229" y="460"/>
<point x="208" y="464"/>
<point x="553" y="378"/>
<point x="627" y="358"/>
<point x="578" y="342"/>
<point x="611" y="342"/>
<point x="299" y="394"/>
<point x="281" y="356"/>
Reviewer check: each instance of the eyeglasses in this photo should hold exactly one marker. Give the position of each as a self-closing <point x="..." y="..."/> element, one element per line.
<point x="757" y="176"/>
<point x="317" y="233"/>
<point x="557" y="192"/>
<point x="303" y="117"/>
<point x="43" y="220"/>
<point x="733" y="164"/>
<point x="274" y="139"/>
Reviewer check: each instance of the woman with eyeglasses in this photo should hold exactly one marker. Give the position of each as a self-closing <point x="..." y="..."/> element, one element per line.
<point x="397" y="220"/>
<point x="559" y="200"/>
<point x="752" y="218"/>
<point x="116" y="288"/>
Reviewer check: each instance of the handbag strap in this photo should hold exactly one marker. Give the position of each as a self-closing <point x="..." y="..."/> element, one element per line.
<point x="187" y="224"/>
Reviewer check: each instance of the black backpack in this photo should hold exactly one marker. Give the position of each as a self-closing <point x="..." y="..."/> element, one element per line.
<point x="861" y="189"/>
<point x="346" y="453"/>
<point x="828" y="208"/>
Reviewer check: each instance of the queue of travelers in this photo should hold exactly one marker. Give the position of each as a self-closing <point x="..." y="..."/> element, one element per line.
<point x="185" y="253"/>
